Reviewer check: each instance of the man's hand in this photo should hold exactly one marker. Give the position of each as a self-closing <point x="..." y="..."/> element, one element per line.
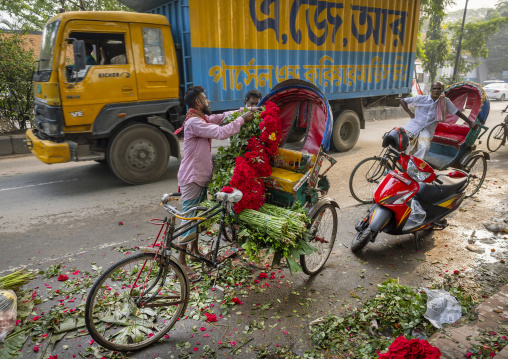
<point x="255" y="109"/>
<point x="404" y="105"/>
<point x="248" y="116"/>
<point x="473" y="125"/>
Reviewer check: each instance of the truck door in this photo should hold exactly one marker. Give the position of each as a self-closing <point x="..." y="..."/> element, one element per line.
<point x="156" y="61"/>
<point x="109" y="76"/>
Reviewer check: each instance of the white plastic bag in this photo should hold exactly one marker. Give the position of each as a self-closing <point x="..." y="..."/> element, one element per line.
<point x="416" y="216"/>
<point x="442" y="307"/>
<point x="8" y="312"/>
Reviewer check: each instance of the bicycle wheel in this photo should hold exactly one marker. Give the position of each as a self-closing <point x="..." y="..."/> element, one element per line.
<point x="324" y="226"/>
<point x="114" y="316"/>
<point x="365" y="177"/>
<point x="496" y="137"/>
<point x="477" y="169"/>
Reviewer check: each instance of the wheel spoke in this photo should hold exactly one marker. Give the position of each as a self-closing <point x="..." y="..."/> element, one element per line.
<point x="135" y="302"/>
<point x="324" y="227"/>
<point x="365" y="178"/>
<point x="477" y="169"/>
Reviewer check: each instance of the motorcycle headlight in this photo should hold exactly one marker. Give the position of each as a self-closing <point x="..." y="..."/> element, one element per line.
<point x="415" y="173"/>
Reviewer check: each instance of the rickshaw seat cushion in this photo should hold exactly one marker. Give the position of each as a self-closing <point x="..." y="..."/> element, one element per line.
<point x="295" y="161"/>
<point x="450" y="134"/>
<point x="453" y="128"/>
<point x="283" y="180"/>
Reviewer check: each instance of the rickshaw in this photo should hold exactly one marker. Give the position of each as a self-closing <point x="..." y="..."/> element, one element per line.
<point x="152" y="286"/>
<point x="453" y="145"/>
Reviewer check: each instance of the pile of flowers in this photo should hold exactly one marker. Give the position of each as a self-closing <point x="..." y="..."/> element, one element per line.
<point x="254" y="165"/>
<point x="410" y="349"/>
<point x="246" y="161"/>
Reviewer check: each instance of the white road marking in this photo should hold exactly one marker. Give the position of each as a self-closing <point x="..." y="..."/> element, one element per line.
<point x="43" y="261"/>
<point x="39" y="184"/>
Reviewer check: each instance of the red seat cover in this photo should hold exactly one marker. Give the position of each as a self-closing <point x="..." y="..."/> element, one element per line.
<point x="452" y="128"/>
<point x="450" y="134"/>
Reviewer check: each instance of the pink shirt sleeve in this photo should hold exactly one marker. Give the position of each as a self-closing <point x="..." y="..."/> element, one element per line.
<point x="199" y="128"/>
<point x="218" y="118"/>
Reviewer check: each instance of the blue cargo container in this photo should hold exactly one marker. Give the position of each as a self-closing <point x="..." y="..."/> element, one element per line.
<point x="358" y="53"/>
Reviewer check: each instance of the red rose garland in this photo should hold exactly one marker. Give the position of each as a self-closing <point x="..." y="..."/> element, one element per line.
<point x="255" y="163"/>
<point x="401" y="348"/>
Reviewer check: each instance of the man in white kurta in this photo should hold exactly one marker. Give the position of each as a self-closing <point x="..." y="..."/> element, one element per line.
<point x="429" y="111"/>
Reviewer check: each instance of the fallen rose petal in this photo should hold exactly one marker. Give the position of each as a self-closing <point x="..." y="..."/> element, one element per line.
<point x="62" y="278"/>
<point x="120" y="223"/>
<point x="36" y="348"/>
<point x="76" y="272"/>
<point x="232" y="344"/>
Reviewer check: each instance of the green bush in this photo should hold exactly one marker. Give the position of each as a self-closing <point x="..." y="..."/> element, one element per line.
<point x="17" y="64"/>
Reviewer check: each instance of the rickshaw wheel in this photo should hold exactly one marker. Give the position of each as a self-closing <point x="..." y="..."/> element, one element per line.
<point x="365" y="178"/>
<point x="477" y="169"/>
<point x="324" y="226"/>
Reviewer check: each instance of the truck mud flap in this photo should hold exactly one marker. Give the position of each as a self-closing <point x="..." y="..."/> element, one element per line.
<point x="379" y="217"/>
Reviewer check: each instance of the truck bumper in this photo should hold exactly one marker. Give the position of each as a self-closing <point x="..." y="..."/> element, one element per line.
<point x="47" y="151"/>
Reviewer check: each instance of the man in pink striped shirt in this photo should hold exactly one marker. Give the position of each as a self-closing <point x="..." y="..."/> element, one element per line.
<point x="200" y="127"/>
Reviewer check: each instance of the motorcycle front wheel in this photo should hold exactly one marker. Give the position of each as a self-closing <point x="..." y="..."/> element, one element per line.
<point x="361" y="239"/>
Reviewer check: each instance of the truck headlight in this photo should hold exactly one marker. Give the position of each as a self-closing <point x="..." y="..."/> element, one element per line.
<point x="51" y="129"/>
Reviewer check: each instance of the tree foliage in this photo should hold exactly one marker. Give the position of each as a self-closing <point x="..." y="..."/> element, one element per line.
<point x="498" y="44"/>
<point x="17" y="65"/>
<point x="474" y="40"/>
<point x="31" y="15"/>
<point x="436" y="46"/>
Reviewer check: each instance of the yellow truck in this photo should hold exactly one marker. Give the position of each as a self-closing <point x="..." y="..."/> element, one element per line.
<point x="109" y="85"/>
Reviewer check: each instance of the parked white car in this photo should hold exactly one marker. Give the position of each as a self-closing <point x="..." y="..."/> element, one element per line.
<point x="497" y="91"/>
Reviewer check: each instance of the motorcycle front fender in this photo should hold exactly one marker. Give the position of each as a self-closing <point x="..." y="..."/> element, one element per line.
<point x="379" y="217"/>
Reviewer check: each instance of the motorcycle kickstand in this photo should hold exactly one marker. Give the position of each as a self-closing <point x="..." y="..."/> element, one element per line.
<point x="415" y="234"/>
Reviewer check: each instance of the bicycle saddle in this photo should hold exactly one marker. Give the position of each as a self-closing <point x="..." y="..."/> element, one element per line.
<point x="234" y="197"/>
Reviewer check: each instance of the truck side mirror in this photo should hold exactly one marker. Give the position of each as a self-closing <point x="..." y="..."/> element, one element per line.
<point x="79" y="55"/>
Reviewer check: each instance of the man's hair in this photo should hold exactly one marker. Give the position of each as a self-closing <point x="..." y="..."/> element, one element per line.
<point x="192" y="94"/>
<point x="252" y="93"/>
<point x="437" y="83"/>
<point x="88" y="48"/>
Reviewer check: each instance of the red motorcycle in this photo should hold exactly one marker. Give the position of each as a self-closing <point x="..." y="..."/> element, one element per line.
<point x="410" y="200"/>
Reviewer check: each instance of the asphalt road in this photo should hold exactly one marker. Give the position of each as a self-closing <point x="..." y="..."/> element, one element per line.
<point x="70" y="213"/>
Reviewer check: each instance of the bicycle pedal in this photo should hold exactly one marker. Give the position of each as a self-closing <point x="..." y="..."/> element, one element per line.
<point x="232" y="251"/>
<point x="149" y="250"/>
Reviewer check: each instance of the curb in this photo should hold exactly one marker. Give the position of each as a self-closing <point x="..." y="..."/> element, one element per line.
<point x="13" y="145"/>
<point x="492" y="314"/>
<point x="385" y="113"/>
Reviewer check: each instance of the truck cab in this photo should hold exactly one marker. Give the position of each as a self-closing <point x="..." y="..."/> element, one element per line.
<point x="106" y="89"/>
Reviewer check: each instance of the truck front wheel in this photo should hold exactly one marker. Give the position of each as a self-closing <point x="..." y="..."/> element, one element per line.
<point x="138" y="154"/>
<point x="346" y="130"/>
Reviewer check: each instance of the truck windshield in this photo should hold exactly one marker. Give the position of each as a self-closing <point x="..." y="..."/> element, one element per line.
<point x="48" y="46"/>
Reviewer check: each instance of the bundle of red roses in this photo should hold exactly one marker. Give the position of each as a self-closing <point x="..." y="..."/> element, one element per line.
<point x="401" y="348"/>
<point x="255" y="163"/>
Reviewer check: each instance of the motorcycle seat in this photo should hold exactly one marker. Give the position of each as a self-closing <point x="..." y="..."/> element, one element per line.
<point x="434" y="192"/>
